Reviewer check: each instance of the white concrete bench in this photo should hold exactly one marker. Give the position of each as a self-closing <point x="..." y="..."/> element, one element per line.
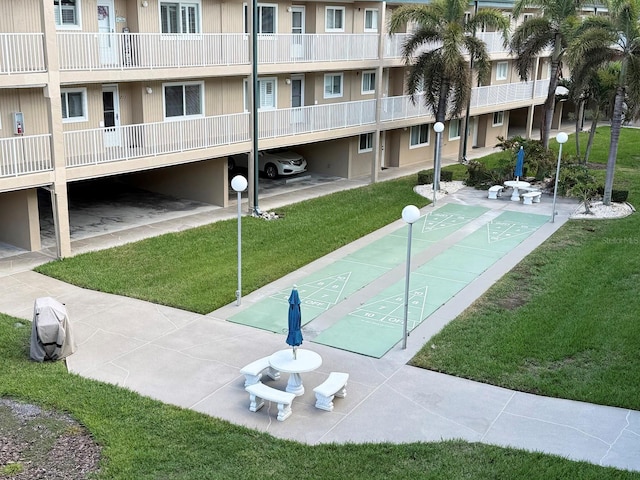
<point x="253" y="372"/>
<point x="334" y="386"/>
<point x="531" y="197"/>
<point x="495" y="192"/>
<point x="259" y="392"/>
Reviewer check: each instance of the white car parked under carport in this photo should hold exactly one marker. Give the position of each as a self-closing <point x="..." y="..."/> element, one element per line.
<point x="272" y="163"/>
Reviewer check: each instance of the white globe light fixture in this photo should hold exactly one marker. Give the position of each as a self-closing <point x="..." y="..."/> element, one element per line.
<point x="438" y="127"/>
<point x="239" y="185"/>
<point x="410" y="214"/>
<point x="561" y="138"/>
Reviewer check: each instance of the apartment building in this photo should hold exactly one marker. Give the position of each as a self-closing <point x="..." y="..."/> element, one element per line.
<point x="157" y="93"/>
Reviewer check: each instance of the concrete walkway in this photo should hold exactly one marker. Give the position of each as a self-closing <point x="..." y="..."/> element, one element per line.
<point x="194" y="360"/>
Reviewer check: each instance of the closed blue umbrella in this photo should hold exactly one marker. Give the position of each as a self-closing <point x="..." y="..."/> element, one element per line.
<point x="294" y="337"/>
<point x="519" y="163"/>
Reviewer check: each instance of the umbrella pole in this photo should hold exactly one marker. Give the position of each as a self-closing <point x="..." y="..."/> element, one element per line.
<point x="294" y="353"/>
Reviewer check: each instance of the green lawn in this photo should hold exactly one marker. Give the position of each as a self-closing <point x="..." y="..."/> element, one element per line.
<point x="562" y="323"/>
<point x="145" y="439"/>
<point x="196" y="269"/>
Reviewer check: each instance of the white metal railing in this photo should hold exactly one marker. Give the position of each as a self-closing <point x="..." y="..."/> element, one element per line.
<point x="398" y="108"/>
<point x="24" y="155"/>
<point x="499" y="94"/>
<point x="99" y="51"/>
<point x="21" y="53"/>
<point x="100" y="145"/>
<point x="542" y="88"/>
<point x="287" y="48"/>
<point x="494" y="42"/>
<point x="315" y="118"/>
<point x="393" y="44"/>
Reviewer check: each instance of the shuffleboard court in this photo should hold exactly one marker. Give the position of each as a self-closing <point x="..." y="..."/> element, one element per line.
<point x="332" y="284"/>
<point x="375" y="327"/>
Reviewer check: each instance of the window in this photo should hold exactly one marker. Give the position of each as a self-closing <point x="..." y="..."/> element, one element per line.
<point x="370" y="20"/>
<point x="183" y="100"/>
<point x="67" y="13"/>
<point x="498" y="118"/>
<point x="334" y="19"/>
<point x="368" y="82"/>
<point x="366" y="143"/>
<point x="267" y="14"/>
<point x="454" y="129"/>
<point x="179" y="17"/>
<point x="332" y="85"/>
<point x="419" y="136"/>
<point x="266" y="94"/>
<point x="74" y="104"/>
<point x="501" y="70"/>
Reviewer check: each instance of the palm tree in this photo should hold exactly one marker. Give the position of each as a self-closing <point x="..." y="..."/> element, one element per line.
<point x="442" y="52"/>
<point x="552" y="29"/>
<point x="616" y="38"/>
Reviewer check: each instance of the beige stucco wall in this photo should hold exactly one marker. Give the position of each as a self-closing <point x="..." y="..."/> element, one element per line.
<point x="19" y="219"/>
<point x="329" y="158"/>
<point x="21" y="16"/>
<point x="204" y="181"/>
<point x="31" y="103"/>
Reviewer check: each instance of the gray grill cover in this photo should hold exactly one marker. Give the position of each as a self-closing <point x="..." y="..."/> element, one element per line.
<point x="51" y="337"/>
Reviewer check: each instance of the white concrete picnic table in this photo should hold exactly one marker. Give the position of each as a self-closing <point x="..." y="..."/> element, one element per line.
<point x="516" y="185"/>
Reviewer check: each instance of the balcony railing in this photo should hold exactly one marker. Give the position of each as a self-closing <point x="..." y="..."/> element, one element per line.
<point x="398" y="108"/>
<point x="101" y="145"/>
<point x="499" y="94"/>
<point x="25" y="155"/>
<point x="393" y="44"/>
<point x="315" y="118"/>
<point x="21" y="53"/>
<point x="287" y="48"/>
<point x="108" y="51"/>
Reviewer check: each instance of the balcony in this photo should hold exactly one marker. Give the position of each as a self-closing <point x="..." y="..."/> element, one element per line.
<point x="21" y="53"/>
<point x="25" y="155"/>
<point x="103" y="145"/>
<point x="493" y="95"/>
<point x="80" y="51"/>
<point x="393" y="44"/>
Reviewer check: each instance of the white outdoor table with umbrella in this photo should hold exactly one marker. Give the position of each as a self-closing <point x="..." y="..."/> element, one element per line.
<point x="305" y="361"/>
<point x="516" y="185"/>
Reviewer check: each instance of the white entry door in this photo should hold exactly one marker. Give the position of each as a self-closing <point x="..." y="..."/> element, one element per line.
<point x="111" y="113"/>
<point x="106" y="27"/>
<point x="297" y="31"/>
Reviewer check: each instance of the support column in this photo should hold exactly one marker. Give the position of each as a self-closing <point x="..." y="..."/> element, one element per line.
<point x="375" y="165"/>
<point x="59" y="199"/>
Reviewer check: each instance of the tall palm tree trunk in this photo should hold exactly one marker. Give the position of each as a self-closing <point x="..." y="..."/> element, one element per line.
<point x="592" y="134"/>
<point x="441" y="114"/>
<point x="579" y="116"/>
<point x="616" y="125"/>
<point x="550" y="102"/>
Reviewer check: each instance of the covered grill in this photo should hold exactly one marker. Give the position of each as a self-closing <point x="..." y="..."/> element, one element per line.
<point x="51" y="336"/>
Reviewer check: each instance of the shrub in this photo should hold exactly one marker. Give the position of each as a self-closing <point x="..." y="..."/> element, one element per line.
<point x="578" y="182"/>
<point x="619" y="196"/>
<point x="538" y="161"/>
<point x="477" y="174"/>
<point x="425" y="177"/>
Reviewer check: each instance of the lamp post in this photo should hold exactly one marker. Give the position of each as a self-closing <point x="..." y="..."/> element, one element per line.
<point x="561" y="138"/>
<point x="410" y="214"/>
<point x="438" y="127"/>
<point x="239" y="184"/>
